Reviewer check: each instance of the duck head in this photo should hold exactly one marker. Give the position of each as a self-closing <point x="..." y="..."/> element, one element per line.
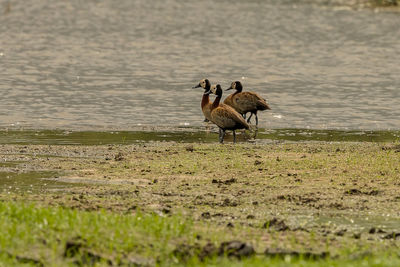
<point x="216" y="89"/>
<point x="236" y="85"/>
<point x="205" y="84"/>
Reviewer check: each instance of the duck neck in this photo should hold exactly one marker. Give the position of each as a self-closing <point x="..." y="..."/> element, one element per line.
<point x="216" y="102"/>
<point x="206" y="97"/>
<point x="205" y="100"/>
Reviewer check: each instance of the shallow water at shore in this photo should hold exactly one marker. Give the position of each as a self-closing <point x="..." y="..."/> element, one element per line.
<point x="29" y="181"/>
<point x="188" y="135"/>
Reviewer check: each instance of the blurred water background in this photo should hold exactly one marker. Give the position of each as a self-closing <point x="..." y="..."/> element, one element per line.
<point x="99" y="65"/>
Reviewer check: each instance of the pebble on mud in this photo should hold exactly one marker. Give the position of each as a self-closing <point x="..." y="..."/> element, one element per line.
<point x="283" y="253"/>
<point x="374" y="230"/>
<point x="357" y="235"/>
<point x="119" y="157"/>
<point x="394" y="235"/>
<point x="236" y="249"/>
<point x="226" y="182"/>
<point x="206" y="215"/>
<point x="77" y="248"/>
<point x="341" y="232"/>
<point x="276" y="224"/>
<point x="189" y="148"/>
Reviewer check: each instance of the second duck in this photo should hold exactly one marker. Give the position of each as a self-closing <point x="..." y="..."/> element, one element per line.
<point x="224" y="116"/>
<point x="244" y="102"/>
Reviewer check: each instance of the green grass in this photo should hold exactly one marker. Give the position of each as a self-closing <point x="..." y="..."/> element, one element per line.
<point x="42" y="233"/>
<point x="35" y="235"/>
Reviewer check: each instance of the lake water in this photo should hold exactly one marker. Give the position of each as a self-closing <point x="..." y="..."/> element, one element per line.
<point x="122" y="64"/>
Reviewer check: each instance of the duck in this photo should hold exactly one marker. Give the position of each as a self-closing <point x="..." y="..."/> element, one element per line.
<point x="224" y="116"/>
<point x="244" y="102"/>
<point x="205" y="101"/>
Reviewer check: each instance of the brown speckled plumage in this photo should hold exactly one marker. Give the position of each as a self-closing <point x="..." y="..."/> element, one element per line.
<point x="244" y="102"/>
<point x="225" y="117"/>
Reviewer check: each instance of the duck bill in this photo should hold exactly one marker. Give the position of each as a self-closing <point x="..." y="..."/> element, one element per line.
<point x="230" y="88"/>
<point x="197" y="86"/>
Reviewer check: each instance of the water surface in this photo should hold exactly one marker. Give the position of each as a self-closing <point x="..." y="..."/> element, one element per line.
<point x="85" y="65"/>
<point x="30" y="181"/>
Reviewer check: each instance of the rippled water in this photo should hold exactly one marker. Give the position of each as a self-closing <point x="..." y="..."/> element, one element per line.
<point x="119" y="64"/>
<point x="31" y="181"/>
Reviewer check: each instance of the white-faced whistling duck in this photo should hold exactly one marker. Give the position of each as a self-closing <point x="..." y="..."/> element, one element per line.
<point x="224" y="116"/>
<point x="205" y="101"/>
<point x="244" y="102"/>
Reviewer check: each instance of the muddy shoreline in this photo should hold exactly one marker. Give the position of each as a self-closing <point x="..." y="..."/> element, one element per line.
<point x="206" y="134"/>
<point x="340" y="194"/>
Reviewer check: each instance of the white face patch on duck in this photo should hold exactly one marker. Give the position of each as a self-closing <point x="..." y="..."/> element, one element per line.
<point x="203" y="83"/>
<point x="213" y="89"/>
<point x="216" y="89"/>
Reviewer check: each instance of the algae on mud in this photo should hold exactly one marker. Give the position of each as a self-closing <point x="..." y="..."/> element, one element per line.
<point x="336" y="199"/>
<point x="187" y="135"/>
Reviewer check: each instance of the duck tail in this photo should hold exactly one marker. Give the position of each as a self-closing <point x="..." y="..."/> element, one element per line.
<point x="262" y="105"/>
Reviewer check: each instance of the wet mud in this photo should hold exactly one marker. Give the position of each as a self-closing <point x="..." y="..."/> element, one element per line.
<point x="274" y="199"/>
<point x="208" y="134"/>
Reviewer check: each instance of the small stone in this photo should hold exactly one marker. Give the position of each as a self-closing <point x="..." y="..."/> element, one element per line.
<point x="341" y="232"/>
<point x="357" y="235"/>
<point x="206" y="215"/>
<point x="277" y="225"/>
<point x="189" y="148"/>
<point x="236" y="249"/>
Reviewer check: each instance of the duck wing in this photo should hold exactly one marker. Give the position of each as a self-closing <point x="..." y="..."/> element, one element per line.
<point x="226" y="117"/>
<point x="249" y="101"/>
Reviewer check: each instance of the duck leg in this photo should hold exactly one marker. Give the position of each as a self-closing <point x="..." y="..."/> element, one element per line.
<point x="221" y="139"/>
<point x="255" y="133"/>
<point x="256" y="119"/>
<point x="234" y="137"/>
<point x="248" y="120"/>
